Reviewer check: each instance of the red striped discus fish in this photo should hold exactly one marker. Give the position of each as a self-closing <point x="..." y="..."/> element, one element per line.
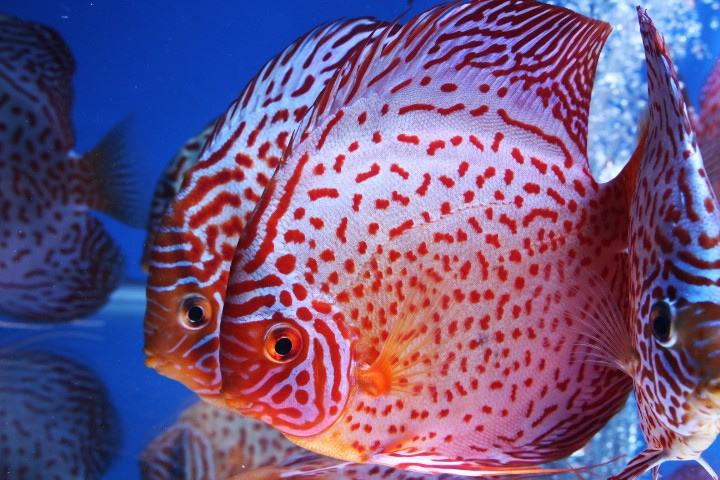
<point x="671" y="351"/>
<point x="196" y="240"/>
<point x="169" y="184"/>
<point x="57" y="262"/>
<point x="397" y="297"/>
<point x="56" y="419"/>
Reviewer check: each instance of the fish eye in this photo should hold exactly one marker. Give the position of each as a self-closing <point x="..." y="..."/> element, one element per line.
<point x="282" y="343"/>
<point x="661" y="319"/>
<point x="195" y="312"/>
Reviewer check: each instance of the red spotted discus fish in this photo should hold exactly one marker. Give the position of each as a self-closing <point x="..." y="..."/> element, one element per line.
<point x="57" y="262"/>
<point x="196" y="240"/>
<point x="398" y="296"/>
<point x="672" y="348"/>
<point x="56" y="419"/>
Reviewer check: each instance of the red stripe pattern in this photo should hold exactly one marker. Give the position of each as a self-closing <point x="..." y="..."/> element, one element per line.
<point x="196" y="238"/>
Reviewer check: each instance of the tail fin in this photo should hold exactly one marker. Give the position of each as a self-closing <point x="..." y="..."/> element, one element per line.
<point x="112" y="174"/>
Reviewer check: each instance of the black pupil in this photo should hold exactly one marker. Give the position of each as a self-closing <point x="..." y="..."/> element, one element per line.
<point x="662" y="321"/>
<point x="196" y="314"/>
<point x="283" y="346"/>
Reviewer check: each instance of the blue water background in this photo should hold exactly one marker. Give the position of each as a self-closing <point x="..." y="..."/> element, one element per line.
<point x="172" y="66"/>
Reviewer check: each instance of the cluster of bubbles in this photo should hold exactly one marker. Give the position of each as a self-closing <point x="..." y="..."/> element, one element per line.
<point x="620" y="92"/>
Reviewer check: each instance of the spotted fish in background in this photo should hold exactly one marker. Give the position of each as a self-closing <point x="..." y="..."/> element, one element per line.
<point x="671" y="351"/>
<point x="195" y="242"/>
<point x="57" y="262"/>
<point x="397" y="296"/>
<point x="56" y="419"/>
<point x="169" y="184"/>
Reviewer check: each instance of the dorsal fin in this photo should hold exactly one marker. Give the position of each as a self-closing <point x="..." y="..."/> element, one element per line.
<point x="502" y="48"/>
<point x="291" y="75"/>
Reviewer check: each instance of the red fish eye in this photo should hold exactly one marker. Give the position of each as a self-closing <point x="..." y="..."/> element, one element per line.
<point x="282" y="343"/>
<point x="196" y="312"/>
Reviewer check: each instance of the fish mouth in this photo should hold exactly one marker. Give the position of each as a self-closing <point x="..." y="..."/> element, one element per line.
<point x="155" y="362"/>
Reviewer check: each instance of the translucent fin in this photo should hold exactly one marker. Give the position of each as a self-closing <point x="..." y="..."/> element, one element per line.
<point x="309" y="466"/>
<point x="403" y="363"/>
<point x="590" y="303"/>
<point x="423" y="463"/>
<point x="109" y="184"/>
<point x="643" y="462"/>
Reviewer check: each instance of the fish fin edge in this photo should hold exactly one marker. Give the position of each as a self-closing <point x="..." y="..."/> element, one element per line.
<point x="115" y="173"/>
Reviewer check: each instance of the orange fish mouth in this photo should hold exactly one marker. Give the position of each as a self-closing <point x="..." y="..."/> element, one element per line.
<point x="156" y="362"/>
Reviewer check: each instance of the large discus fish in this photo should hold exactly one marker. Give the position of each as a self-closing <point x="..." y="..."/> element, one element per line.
<point x="671" y="349"/>
<point x="57" y="262"/>
<point x="195" y="242"/>
<point x="56" y="419"/>
<point x="398" y="296"/>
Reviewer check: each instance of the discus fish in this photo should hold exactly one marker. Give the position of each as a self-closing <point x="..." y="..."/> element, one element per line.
<point x="196" y="240"/>
<point x="169" y="184"/>
<point x="397" y="297"/>
<point x="57" y="419"/>
<point x="671" y="351"/>
<point x="57" y="262"/>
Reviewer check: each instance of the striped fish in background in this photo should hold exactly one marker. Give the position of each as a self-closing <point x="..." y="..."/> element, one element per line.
<point x="671" y="349"/>
<point x="398" y="297"/>
<point x="57" y="262"/>
<point x="56" y="419"/>
<point x="195" y="242"/>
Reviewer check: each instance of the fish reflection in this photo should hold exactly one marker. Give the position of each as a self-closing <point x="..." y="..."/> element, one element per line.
<point x="208" y="443"/>
<point x="57" y="262"/>
<point x="56" y="419"/>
